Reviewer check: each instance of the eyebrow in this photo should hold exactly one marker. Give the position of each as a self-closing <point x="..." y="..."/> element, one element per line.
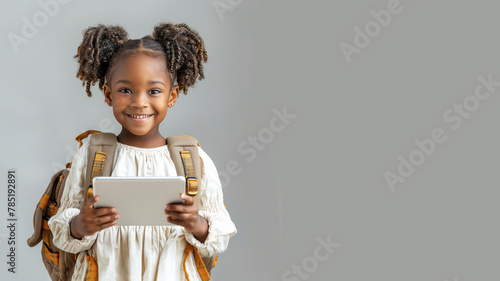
<point x="150" y="82"/>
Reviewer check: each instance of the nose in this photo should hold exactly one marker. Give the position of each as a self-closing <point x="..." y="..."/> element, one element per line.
<point x="140" y="100"/>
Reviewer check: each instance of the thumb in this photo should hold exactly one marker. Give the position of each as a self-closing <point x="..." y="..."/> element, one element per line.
<point x="89" y="204"/>
<point x="189" y="199"/>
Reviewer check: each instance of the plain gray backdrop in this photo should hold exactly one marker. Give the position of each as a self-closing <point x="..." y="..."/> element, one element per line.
<point x="370" y="88"/>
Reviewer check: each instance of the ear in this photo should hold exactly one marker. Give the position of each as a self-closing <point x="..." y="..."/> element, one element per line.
<point x="107" y="94"/>
<point x="174" y="94"/>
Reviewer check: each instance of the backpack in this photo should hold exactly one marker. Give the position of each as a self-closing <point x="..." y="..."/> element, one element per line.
<point x="60" y="264"/>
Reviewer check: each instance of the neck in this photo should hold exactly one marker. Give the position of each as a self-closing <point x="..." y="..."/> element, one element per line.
<point x="150" y="140"/>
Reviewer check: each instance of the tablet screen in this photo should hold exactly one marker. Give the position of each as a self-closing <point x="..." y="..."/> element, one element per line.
<point x="139" y="200"/>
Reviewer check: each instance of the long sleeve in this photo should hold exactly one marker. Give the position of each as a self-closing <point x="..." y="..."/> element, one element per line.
<point x="211" y="207"/>
<point x="72" y="199"/>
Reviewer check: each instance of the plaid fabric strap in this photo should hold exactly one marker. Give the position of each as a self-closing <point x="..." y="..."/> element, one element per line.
<point x="200" y="266"/>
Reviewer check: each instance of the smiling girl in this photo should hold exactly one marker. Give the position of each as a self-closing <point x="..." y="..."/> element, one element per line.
<point x="141" y="79"/>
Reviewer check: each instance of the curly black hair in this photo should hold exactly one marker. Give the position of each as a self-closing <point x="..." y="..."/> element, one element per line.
<point x="102" y="46"/>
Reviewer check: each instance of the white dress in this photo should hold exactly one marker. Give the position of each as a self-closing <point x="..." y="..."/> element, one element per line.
<point x="142" y="252"/>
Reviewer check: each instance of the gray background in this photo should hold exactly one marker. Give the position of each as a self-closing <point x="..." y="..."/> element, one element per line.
<point x="322" y="176"/>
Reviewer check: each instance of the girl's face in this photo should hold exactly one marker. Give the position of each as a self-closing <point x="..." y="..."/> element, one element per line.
<point x="140" y="93"/>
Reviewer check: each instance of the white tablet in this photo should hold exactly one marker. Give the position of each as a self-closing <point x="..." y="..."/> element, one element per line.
<point x="139" y="200"/>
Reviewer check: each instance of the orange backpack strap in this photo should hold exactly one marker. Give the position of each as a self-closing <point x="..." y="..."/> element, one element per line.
<point x="200" y="266"/>
<point x="92" y="269"/>
<point x="101" y="155"/>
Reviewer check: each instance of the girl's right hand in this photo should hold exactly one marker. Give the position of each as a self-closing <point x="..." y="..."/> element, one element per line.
<point x="91" y="220"/>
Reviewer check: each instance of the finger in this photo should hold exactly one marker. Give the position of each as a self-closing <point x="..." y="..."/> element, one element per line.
<point x="175" y="215"/>
<point x="103" y="226"/>
<point x="175" y="221"/>
<point x="189" y="199"/>
<point x="104" y="211"/>
<point x="98" y="221"/>
<point x="89" y="204"/>
<point x="111" y="218"/>
<point x="177" y="208"/>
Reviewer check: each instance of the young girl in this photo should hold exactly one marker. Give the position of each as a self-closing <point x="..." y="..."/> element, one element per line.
<point x="141" y="80"/>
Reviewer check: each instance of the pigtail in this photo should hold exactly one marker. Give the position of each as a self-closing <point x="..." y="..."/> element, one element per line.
<point x="185" y="52"/>
<point x="94" y="53"/>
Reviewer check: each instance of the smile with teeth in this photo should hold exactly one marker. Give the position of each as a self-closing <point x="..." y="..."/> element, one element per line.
<point x="140" y="116"/>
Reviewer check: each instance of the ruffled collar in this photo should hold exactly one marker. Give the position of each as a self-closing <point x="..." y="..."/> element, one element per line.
<point x="162" y="148"/>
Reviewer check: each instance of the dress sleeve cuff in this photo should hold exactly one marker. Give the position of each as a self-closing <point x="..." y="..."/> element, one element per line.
<point x="220" y="229"/>
<point x="59" y="225"/>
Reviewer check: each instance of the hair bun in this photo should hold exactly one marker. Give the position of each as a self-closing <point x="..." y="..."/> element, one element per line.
<point x="98" y="46"/>
<point x="185" y="51"/>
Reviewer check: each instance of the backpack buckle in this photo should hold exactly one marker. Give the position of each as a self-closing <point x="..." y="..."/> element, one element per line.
<point x="51" y="209"/>
<point x="191" y="186"/>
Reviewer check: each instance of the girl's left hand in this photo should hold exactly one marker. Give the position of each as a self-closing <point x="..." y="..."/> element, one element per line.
<point x="187" y="215"/>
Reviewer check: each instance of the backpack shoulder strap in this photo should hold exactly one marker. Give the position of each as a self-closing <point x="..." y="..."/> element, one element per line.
<point x="101" y="154"/>
<point x="184" y="149"/>
<point x="184" y="153"/>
